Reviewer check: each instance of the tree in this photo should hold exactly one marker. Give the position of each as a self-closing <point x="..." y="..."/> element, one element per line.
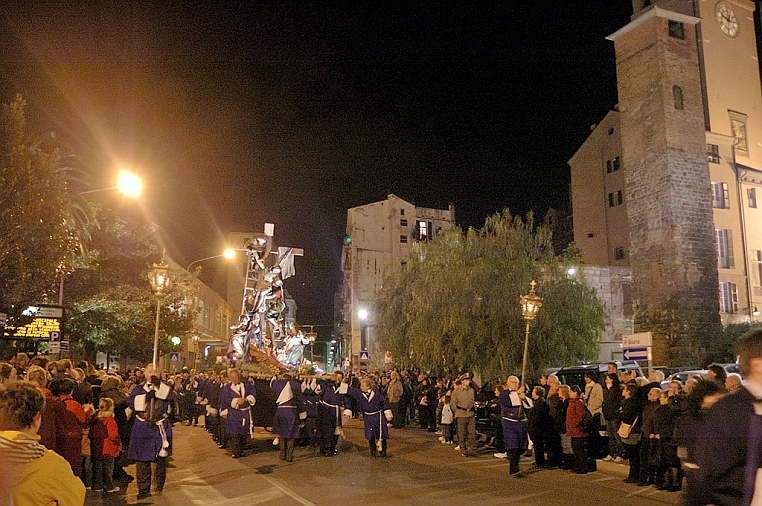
<point x="456" y="304"/>
<point x="41" y="225"/>
<point x="109" y="301"/>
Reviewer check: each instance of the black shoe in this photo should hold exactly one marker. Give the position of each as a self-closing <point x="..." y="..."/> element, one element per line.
<point x="144" y="495"/>
<point x="630" y="480"/>
<point x="642" y="483"/>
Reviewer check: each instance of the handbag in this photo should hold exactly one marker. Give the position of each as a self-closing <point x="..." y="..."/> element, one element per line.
<point x="588" y="422"/>
<point x="626" y="428"/>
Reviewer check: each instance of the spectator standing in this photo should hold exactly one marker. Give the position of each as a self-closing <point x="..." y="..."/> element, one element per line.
<point x="106" y="446"/>
<point x="594" y="404"/>
<point x="73" y="421"/>
<point x="31" y="474"/>
<point x="727" y="455"/>
<point x="630" y="413"/>
<point x="462" y="404"/>
<point x="447" y="419"/>
<point x="574" y="415"/>
<point x="717" y="373"/>
<point x="733" y="382"/>
<point x="51" y="413"/>
<point x="541" y="429"/>
<point x="7" y="374"/>
<point x="646" y="476"/>
<point x="612" y="401"/>
<point x="394" y="393"/>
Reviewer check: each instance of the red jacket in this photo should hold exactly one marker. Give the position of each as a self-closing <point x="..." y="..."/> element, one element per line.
<point x="104" y="436"/>
<point x="73" y="420"/>
<point x="574" y="414"/>
<point x="49" y="432"/>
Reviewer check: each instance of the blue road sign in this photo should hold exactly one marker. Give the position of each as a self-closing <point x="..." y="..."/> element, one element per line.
<point x="174" y="356"/>
<point x="54" y="337"/>
<point x="364" y="356"/>
<point x="635" y="353"/>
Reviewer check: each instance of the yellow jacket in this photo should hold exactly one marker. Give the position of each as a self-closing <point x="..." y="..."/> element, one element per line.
<point x="39" y="476"/>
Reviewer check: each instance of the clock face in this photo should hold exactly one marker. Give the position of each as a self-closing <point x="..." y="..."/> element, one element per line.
<point x="727" y="19"/>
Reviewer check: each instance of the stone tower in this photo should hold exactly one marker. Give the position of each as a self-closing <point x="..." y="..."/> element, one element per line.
<point x="667" y="183"/>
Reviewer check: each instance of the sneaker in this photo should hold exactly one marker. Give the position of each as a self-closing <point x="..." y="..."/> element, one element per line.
<point x="115" y="489"/>
<point x="608" y="458"/>
<point x="457" y="447"/>
<point x="618" y="460"/>
<point x="448" y="442"/>
<point x="500" y="455"/>
<point x="441" y="440"/>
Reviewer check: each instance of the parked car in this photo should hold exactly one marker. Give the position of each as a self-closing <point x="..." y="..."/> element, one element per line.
<point x="575" y="374"/>
<point x="683" y="377"/>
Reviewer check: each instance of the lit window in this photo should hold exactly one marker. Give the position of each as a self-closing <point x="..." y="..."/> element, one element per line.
<point x="423" y="231"/>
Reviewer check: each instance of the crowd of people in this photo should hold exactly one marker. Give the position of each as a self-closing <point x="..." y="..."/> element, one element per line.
<point x="67" y="428"/>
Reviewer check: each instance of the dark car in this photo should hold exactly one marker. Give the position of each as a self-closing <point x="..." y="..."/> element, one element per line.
<point x="575" y="374"/>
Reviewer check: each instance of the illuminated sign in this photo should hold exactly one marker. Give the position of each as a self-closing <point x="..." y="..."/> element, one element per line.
<point x="40" y="328"/>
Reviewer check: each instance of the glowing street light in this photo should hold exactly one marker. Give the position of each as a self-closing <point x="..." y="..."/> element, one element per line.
<point x="228" y="254"/>
<point x="128" y="183"/>
<point x="159" y="282"/>
<point x="530" y="305"/>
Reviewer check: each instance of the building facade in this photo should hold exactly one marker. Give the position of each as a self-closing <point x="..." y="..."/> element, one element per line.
<point x="379" y="236"/>
<point x="667" y="182"/>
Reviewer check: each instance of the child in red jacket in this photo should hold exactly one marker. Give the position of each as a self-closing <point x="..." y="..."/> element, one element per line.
<point x="107" y="446"/>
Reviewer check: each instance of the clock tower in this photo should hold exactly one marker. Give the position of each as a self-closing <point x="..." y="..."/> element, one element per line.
<point x="667" y="180"/>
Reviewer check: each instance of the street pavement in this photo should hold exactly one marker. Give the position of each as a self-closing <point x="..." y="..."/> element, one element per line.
<point x="419" y="471"/>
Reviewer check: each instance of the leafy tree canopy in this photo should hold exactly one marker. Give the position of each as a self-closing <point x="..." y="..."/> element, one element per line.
<point x="455" y="304"/>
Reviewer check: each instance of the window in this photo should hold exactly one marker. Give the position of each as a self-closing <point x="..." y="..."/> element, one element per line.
<point x="751" y="194"/>
<point x="756" y="269"/>
<point x="615" y="199"/>
<point x="738" y="130"/>
<point x="728" y="297"/>
<point x="712" y="153"/>
<point x="612" y="165"/>
<point x="403" y="222"/>
<point x="677" y="97"/>
<point x="423" y="231"/>
<point x="725" y="248"/>
<point x="720" y="196"/>
<point x="402" y="212"/>
<point x="677" y="30"/>
<point x="619" y="254"/>
<point x="403" y="239"/>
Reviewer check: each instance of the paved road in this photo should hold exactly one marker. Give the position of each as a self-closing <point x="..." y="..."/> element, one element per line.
<point x="420" y="471"/>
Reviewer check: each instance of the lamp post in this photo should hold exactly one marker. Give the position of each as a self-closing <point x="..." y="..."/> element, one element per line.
<point x="158" y="277"/>
<point x="128" y="183"/>
<point x="530" y="305"/>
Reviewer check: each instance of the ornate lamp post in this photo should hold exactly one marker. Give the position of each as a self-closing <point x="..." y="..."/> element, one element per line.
<point x="530" y="305"/>
<point x="158" y="278"/>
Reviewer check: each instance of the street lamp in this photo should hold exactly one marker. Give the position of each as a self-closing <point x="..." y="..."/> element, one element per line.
<point x="228" y="254"/>
<point x="158" y="278"/>
<point x="530" y="305"/>
<point x="128" y="183"/>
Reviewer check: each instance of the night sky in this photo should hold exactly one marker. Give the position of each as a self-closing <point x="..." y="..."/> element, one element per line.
<point x="237" y="114"/>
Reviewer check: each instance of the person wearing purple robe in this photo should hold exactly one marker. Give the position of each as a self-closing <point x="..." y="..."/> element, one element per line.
<point x="375" y="414"/>
<point x="332" y="405"/>
<point x="288" y="414"/>
<point x="151" y="437"/>
<point x="236" y="400"/>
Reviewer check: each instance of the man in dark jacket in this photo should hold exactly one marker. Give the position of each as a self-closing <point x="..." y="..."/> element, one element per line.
<point x="729" y="445"/>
